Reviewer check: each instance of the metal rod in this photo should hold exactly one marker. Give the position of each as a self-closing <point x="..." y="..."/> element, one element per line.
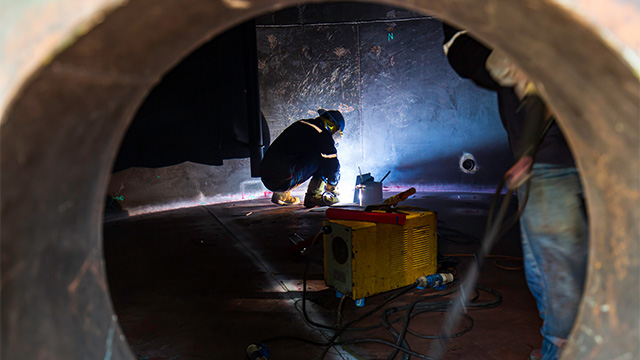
<point x="384" y="177"/>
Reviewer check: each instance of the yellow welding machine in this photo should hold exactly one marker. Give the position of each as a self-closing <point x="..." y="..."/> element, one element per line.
<point x="364" y="258"/>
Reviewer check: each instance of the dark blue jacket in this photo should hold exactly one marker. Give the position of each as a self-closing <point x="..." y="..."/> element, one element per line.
<point x="302" y="150"/>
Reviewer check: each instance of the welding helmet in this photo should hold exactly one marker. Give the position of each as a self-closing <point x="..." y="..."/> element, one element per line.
<point x="334" y="121"/>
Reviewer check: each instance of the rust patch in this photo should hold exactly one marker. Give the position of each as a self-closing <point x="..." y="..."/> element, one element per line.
<point x="73" y="286"/>
<point x="340" y="51"/>
<point x="344" y="108"/>
<point x="273" y="41"/>
<point x="376" y="50"/>
<point x="618" y="16"/>
<point x="616" y="192"/>
<point x="612" y="314"/>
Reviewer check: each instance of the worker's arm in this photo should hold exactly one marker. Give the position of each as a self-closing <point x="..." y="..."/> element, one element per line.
<point x="329" y="164"/>
<point x="331" y="171"/>
<point x="468" y="57"/>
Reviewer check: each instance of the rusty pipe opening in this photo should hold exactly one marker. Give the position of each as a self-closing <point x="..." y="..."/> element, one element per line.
<point x="61" y="130"/>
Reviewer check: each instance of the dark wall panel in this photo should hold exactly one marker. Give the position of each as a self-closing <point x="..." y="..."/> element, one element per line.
<point x="419" y="116"/>
<point x="407" y="111"/>
<point x="204" y="110"/>
<point x="303" y="69"/>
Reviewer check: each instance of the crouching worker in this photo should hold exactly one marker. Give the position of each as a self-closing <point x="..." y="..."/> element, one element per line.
<point x="306" y="149"/>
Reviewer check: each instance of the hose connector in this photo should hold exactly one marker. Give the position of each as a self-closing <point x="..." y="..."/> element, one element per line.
<point x="436" y="281"/>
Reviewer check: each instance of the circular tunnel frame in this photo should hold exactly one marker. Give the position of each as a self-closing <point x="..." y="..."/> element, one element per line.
<point x="61" y="132"/>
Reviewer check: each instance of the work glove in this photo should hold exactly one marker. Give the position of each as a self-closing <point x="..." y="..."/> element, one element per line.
<point x="330" y="197"/>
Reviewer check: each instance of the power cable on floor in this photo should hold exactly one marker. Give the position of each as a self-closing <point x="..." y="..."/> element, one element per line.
<point x="412" y="311"/>
<point x="495" y="262"/>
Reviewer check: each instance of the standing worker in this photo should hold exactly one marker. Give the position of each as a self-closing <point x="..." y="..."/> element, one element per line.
<point x="554" y="224"/>
<point x="307" y="148"/>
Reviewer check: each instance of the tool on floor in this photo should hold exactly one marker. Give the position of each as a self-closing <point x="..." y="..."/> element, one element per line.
<point x="367" y="253"/>
<point x="300" y="245"/>
<point x="258" y="352"/>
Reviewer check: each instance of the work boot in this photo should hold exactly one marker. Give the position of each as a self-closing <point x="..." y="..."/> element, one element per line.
<point x="317" y="195"/>
<point x="284" y="198"/>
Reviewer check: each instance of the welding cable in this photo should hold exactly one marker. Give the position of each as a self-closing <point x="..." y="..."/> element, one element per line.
<point x="348" y="326"/>
<point x="429" y="297"/>
<point x="339" y="312"/>
<point x="409" y="309"/>
<point x="304" y="311"/>
<point x="470" y="279"/>
<point x="493" y="229"/>
<point x="451" y="240"/>
<point x="416" y="308"/>
<point x="332" y="340"/>
<point x="304" y="288"/>
<point x="509" y="268"/>
<point x="400" y="341"/>
<point x="495" y="262"/>
<point x="338" y="330"/>
<point x="514" y="220"/>
<point x="463" y="331"/>
<point x="471" y="238"/>
<point x="384" y="342"/>
<point x="344" y="347"/>
<point x="487" y="304"/>
<point x="494" y="201"/>
<point x="292" y="337"/>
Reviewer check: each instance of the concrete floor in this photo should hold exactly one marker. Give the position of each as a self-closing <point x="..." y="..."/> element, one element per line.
<point x="205" y="282"/>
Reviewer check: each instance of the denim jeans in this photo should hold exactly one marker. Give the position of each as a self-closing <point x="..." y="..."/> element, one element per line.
<point x="555" y="242"/>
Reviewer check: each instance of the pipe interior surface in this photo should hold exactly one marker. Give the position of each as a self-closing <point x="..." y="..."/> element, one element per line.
<point x="62" y="130"/>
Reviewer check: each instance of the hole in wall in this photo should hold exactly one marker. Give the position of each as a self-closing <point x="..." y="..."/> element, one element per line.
<point x="468" y="164"/>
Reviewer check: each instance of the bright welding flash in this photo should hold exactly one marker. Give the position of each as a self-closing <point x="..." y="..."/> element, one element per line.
<point x="337" y="136"/>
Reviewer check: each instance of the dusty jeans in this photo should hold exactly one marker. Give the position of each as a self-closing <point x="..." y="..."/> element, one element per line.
<point x="555" y="242"/>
